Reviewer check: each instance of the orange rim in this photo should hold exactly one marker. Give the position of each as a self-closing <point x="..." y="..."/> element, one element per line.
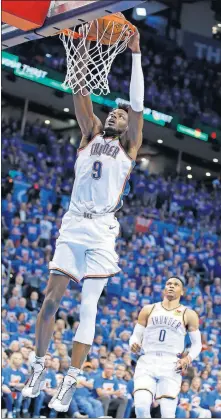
<point x="110" y="18"/>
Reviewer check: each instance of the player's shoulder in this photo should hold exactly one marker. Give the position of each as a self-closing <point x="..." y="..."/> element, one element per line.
<point x="189" y="311"/>
<point x="148" y="308"/>
<point x="190" y="316"/>
<point x="88" y="139"/>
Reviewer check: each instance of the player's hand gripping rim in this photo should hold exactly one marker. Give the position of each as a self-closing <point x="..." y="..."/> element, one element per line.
<point x="134" y="42"/>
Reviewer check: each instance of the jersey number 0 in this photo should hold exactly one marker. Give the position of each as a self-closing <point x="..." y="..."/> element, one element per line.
<point x="96" y="170"/>
<point x="162" y="335"/>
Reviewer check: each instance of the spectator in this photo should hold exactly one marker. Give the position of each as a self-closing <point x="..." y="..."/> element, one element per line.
<point x="196" y="399"/>
<point x="83" y="395"/>
<point x="125" y="387"/>
<point x="45" y="234"/>
<point x="107" y="391"/>
<point x="184" y="403"/>
<point x="65" y="364"/>
<point x="33" y="230"/>
<point x="22" y="309"/>
<point x="215" y="401"/>
<point x="130" y="297"/>
<point x="55" y="364"/>
<point x="210" y="351"/>
<point x="14" y="380"/>
<point x="114" y="306"/>
<point x="33" y="302"/>
<point x="12" y="310"/>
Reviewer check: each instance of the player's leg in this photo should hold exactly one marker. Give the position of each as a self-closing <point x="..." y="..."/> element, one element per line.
<point x="91" y="292"/>
<point x="168" y="407"/>
<point x="145" y="385"/>
<point x="100" y="263"/>
<point x="57" y="285"/>
<point x="168" y="388"/>
<point x="46" y="319"/>
<point x="142" y="401"/>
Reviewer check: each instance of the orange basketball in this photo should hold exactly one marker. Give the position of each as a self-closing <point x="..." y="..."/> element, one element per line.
<point x="108" y="29"/>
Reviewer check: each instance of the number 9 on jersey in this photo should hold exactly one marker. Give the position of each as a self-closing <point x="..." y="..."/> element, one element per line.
<point x="96" y="170"/>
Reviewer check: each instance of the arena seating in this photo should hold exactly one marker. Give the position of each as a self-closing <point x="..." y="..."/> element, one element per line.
<point x="174" y="83"/>
<point x="177" y="233"/>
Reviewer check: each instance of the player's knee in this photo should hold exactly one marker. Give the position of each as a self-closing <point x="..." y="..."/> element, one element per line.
<point x="142" y="401"/>
<point x="142" y="412"/>
<point x="49" y="308"/>
<point x="168" y="413"/>
<point x="88" y="310"/>
<point x="168" y="408"/>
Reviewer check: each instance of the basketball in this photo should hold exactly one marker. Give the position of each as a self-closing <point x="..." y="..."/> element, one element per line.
<point x="107" y="30"/>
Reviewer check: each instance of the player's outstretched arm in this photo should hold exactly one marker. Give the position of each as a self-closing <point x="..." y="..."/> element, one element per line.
<point x="136" y="339"/>
<point x="192" y="323"/>
<point x="135" y="114"/>
<point x="89" y="123"/>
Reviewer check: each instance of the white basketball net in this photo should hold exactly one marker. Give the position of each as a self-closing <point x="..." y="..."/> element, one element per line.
<point x="89" y="68"/>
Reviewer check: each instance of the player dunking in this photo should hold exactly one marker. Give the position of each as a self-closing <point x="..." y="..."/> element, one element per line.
<point x="160" y="332"/>
<point x="86" y="244"/>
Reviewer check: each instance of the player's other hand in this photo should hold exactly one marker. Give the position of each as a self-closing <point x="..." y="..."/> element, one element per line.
<point x="134" y="42"/>
<point x="135" y="348"/>
<point x="182" y="365"/>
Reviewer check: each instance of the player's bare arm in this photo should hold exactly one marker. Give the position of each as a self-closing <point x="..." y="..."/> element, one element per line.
<point x="137" y="336"/>
<point x="89" y="123"/>
<point x="133" y="137"/>
<point x="191" y="320"/>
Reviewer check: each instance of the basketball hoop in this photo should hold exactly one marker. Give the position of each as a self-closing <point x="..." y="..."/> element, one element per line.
<point x="88" y="67"/>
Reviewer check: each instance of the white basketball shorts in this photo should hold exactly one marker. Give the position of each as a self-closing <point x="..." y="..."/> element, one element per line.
<point x="85" y="247"/>
<point x="155" y="372"/>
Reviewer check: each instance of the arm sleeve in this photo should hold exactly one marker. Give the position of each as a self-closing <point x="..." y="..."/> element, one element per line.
<point x="137" y="84"/>
<point x="196" y="344"/>
<point x="137" y="335"/>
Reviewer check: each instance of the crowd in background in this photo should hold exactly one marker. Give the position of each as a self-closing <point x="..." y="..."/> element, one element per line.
<point x="182" y="238"/>
<point x="175" y="199"/>
<point x="174" y="83"/>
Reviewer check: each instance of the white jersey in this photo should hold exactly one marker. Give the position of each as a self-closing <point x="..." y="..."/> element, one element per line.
<point x="102" y="170"/>
<point x="165" y="330"/>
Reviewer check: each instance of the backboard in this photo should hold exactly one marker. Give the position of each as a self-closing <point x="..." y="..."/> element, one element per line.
<point x="65" y="14"/>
